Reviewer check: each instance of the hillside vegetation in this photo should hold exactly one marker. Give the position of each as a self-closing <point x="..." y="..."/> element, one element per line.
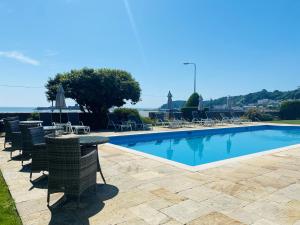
<point x="241" y="100"/>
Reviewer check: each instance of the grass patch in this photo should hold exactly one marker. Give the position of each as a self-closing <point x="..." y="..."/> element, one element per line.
<point x="286" y="121"/>
<point x="8" y="212"/>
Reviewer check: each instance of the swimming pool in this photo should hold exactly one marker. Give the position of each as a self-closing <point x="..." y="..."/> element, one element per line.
<point x="199" y="147"/>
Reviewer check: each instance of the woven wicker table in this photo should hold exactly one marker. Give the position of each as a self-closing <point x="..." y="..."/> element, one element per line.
<point x="91" y="140"/>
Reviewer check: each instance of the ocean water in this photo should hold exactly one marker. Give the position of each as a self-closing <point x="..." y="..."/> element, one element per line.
<point x="197" y="148"/>
<point x="17" y="109"/>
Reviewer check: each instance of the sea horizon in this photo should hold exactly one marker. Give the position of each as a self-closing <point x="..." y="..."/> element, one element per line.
<point x="17" y="109"/>
<point x="27" y="109"/>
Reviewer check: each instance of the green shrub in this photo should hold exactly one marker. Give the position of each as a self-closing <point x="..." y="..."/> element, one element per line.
<point x="256" y="115"/>
<point x="290" y="110"/>
<point x="34" y="116"/>
<point x="266" y="117"/>
<point x="193" y="100"/>
<point x="123" y="113"/>
<point x="147" y="120"/>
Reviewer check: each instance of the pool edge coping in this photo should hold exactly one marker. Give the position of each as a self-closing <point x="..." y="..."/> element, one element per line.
<point x="206" y="165"/>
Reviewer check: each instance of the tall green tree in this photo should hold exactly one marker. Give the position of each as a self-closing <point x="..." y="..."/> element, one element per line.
<point x="96" y="90"/>
<point x="193" y="100"/>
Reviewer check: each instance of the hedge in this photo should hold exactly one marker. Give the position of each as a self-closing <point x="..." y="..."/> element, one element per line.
<point x="256" y="115"/>
<point x="123" y="113"/>
<point x="290" y="110"/>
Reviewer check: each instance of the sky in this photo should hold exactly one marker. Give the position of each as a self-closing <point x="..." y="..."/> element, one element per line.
<point x="239" y="46"/>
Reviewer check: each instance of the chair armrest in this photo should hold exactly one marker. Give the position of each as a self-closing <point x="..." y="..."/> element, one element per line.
<point x="88" y="159"/>
<point x="16" y="133"/>
<point x="39" y="148"/>
<point x="39" y="145"/>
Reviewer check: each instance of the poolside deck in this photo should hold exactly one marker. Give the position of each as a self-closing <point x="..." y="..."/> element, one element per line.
<point x="262" y="191"/>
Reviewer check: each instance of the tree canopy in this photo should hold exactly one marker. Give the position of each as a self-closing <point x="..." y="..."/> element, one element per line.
<point x="193" y="100"/>
<point x="96" y="90"/>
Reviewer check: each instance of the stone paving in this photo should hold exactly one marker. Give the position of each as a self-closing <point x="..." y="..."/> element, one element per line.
<point x="261" y="191"/>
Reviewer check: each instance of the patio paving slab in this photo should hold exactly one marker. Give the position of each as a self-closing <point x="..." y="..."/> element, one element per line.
<point x="216" y="218"/>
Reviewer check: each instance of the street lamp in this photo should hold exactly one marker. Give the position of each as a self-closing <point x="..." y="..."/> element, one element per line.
<point x="195" y="71"/>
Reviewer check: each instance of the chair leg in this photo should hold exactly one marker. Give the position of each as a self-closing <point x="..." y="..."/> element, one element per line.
<point x="48" y="197"/>
<point x="102" y="175"/>
<point x="30" y="175"/>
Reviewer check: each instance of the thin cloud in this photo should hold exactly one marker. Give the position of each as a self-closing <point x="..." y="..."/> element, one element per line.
<point x="19" y="56"/>
<point x="134" y="29"/>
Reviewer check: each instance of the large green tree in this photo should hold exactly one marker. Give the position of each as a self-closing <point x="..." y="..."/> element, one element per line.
<point x="96" y="90"/>
<point x="193" y="100"/>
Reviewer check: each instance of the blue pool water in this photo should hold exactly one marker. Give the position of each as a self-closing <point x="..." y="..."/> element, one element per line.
<point x="205" y="146"/>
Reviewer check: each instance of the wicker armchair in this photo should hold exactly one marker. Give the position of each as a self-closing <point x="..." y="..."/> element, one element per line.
<point x="69" y="172"/>
<point x="15" y="136"/>
<point x="7" y="130"/>
<point x="39" y="155"/>
<point x="26" y="141"/>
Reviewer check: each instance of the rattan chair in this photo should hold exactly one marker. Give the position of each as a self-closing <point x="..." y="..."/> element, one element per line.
<point x="69" y="172"/>
<point x="26" y="141"/>
<point x="86" y="150"/>
<point x="39" y="155"/>
<point x="15" y="136"/>
<point x="7" y="130"/>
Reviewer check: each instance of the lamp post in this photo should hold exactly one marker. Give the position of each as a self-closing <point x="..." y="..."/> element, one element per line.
<point x="195" y="71"/>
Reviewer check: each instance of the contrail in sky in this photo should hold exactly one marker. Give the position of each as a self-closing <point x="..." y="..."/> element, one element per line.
<point x="135" y="30"/>
<point x="19" y="56"/>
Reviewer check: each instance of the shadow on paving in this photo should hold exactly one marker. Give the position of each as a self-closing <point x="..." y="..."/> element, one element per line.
<point x="21" y="157"/>
<point x="65" y="212"/>
<point x="26" y="168"/>
<point x="16" y="154"/>
<point x="9" y="149"/>
<point x="40" y="182"/>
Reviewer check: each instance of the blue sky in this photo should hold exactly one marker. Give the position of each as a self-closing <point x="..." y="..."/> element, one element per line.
<point x="239" y="46"/>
